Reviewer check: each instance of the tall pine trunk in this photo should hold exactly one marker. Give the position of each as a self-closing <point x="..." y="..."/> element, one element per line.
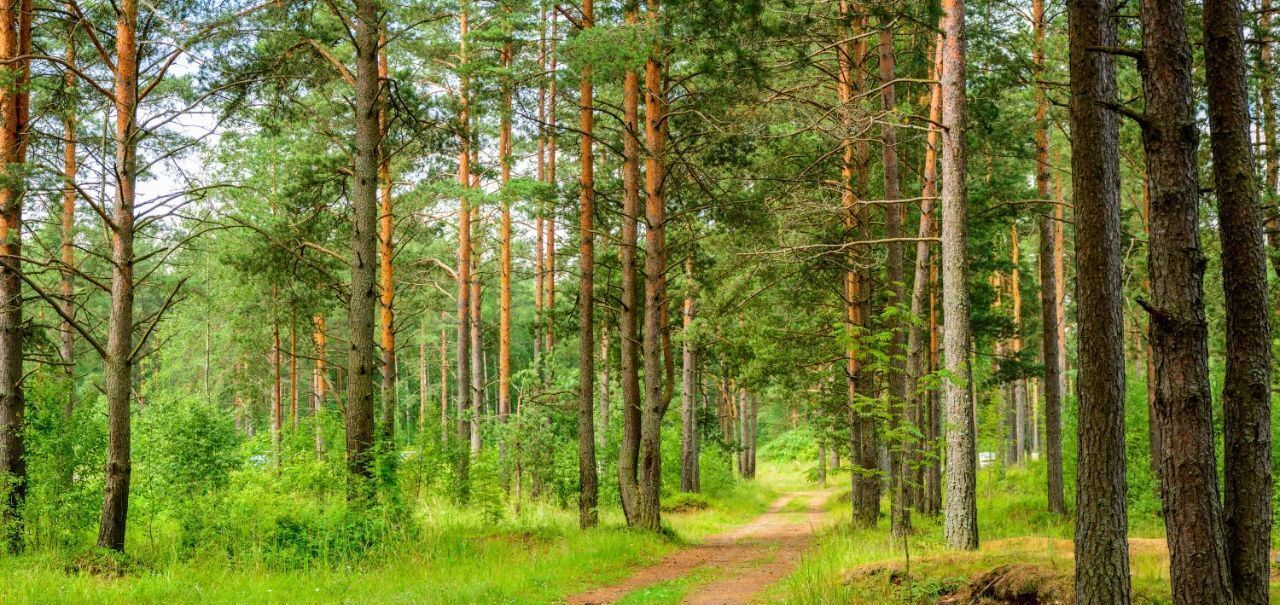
<point x="1179" y="329"/>
<point x="1101" y="545"/>
<point x="688" y="370"/>
<point x="961" y="518"/>
<point x="588" y="481"/>
<point x="118" y="362"/>
<point x="386" y="278"/>
<point x="1246" y="399"/>
<point x="628" y="338"/>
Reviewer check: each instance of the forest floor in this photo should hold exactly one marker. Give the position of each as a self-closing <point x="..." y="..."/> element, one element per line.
<point x="732" y="567"/>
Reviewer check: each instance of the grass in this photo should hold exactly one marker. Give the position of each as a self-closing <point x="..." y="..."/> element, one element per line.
<point x="855" y="566"/>
<point x="535" y="556"/>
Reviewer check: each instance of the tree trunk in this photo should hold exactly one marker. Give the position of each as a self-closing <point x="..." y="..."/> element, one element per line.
<point x="916" y="354"/>
<point x="588" y="482"/>
<point x="656" y="400"/>
<point x="1101" y="546"/>
<point x="462" y="374"/>
<point x="1049" y="277"/>
<point x="961" y="521"/>
<point x="364" y="244"/>
<point x="118" y="364"/>
<point x="444" y="379"/>
<point x="1246" y="399"/>
<point x="1271" y="164"/>
<point x="293" y="370"/>
<point x="1179" y="330"/>
<point x="321" y="381"/>
<point x="851" y="81"/>
<point x="70" y="166"/>
<point x="628" y="339"/>
<point x="477" y="340"/>
<point x="688" y="415"/>
<point x="504" y="283"/>
<point x="387" y="285"/>
<point x="900" y="459"/>
<point x="15" y="32"/>
<point x="1019" y="389"/>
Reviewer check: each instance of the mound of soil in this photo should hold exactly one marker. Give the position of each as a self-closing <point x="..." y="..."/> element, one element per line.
<point x="1019" y="584"/>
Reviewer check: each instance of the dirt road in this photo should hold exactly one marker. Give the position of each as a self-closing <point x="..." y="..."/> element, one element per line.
<point x="743" y="562"/>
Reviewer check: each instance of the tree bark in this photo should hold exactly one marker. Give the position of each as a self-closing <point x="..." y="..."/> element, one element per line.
<point x="386" y="253"/>
<point x="1050" y="352"/>
<point x="628" y="338"/>
<point x="1101" y="545"/>
<point x="1179" y="330"/>
<point x="118" y="365"/>
<point x="364" y="243"/>
<point x="66" y="289"/>
<point x="900" y="458"/>
<point x="689" y="362"/>
<point x="961" y="518"/>
<point x="462" y="374"/>
<point x="321" y="381"/>
<point x="864" y="447"/>
<point x="588" y="481"/>
<point x="657" y="393"/>
<point x="15" y="43"/>
<point x="1246" y="399"/>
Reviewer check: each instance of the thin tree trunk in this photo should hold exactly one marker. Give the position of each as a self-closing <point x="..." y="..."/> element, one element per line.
<point x="1246" y="399"/>
<point x="588" y="481"/>
<point x="1101" y="544"/>
<point x="277" y="388"/>
<point x="70" y="166"/>
<point x="1019" y="386"/>
<point x="293" y="371"/>
<point x="321" y="381"/>
<point x="477" y="340"/>
<point x="462" y="375"/>
<point x="961" y="524"/>
<point x="1050" y="352"/>
<point x="916" y="354"/>
<point x="118" y="364"/>
<point x="386" y="283"/>
<point x="899" y="465"/>
<point x="1179" y="331"/>
<point x="629" y="365"/>
<point x="689" y="361"/>
<point x="504" y="284"/>
<point x="423" y="385"/>
<point x="444" y="379"/>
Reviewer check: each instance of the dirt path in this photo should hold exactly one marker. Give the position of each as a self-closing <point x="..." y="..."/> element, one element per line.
<point x="744" y="561"/>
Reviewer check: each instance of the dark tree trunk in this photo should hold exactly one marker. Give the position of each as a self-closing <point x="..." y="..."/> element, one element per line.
<point x="900" y="457"/>
<point x="1246" y="399"/>
<point x="15" y="43"/>
<point x="1179" y="330"/>
<point x="1101" y="543"/>
<point x="364" y="250"/>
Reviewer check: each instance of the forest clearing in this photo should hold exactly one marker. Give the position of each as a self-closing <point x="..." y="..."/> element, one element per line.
<point x="951" y="302"/>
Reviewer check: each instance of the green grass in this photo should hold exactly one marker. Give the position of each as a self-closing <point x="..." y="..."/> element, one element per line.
<point x="535" y="556"/>
<point x="1013" y="526"/>
<point x="669" y="592"/>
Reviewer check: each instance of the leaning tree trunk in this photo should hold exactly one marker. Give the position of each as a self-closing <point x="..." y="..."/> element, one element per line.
<point x="961" y="518"/>
<point x="1179" y="330"/>
<point x="1246" y="399"/>
<point x="587" y="478"/>
<point x="118" y="362"/>
<point x="1101" y="546"/>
